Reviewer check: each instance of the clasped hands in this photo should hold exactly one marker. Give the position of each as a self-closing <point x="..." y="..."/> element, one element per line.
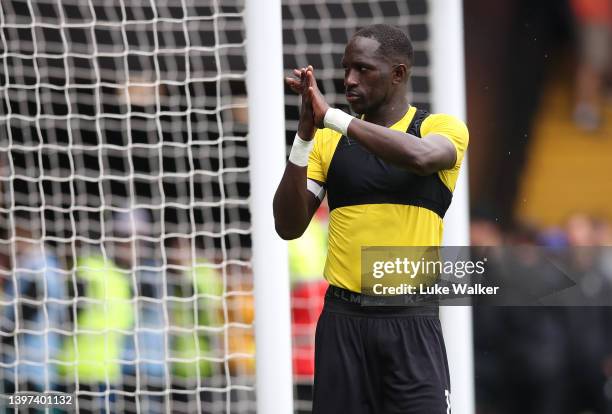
<point x="313" y="107"/>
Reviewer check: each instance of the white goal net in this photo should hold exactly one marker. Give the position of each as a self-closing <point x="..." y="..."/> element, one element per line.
<point x="125" y="239"/>
<point x="125" y="245"/>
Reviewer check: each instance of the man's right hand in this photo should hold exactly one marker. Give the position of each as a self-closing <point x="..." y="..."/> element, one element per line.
<point x="299" y="85"/>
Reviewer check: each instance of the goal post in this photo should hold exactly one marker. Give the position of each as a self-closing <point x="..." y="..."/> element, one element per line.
<point x="274" y="383"/>
<point x="448" y="96"/>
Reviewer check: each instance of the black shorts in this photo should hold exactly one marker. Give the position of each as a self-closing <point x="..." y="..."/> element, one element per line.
<point x="379" y="360"/>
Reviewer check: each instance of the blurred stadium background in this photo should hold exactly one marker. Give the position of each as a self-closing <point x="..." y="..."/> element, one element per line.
<point x="125" y="237"/>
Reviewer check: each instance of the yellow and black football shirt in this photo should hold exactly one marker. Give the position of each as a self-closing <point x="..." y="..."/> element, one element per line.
<point x="373" y="203"/>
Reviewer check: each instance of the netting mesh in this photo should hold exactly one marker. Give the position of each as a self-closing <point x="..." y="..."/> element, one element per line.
<point x="124" y="219"/>
<point x="124" y="204"/>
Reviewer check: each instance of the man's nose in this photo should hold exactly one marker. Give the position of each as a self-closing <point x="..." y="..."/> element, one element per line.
<point x="350" y="79"/>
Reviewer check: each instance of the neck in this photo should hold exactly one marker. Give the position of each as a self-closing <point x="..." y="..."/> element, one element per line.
<point x="389" y="112"/>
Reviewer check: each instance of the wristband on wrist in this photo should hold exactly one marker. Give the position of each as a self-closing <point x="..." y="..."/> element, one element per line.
<point x="300" y="151"/>
<point x="337" y="120"/>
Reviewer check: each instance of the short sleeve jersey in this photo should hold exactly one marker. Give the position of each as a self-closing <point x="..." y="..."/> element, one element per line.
<point x="379" y="223"/>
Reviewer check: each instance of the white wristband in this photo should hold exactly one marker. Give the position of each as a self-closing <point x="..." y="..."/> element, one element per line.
<point x="337" y="120"/>
<point x="300" y="151"/>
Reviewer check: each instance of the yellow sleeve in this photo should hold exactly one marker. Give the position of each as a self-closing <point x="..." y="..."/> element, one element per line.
<point x="450" y="127"/>
<point x="316" y="170"/>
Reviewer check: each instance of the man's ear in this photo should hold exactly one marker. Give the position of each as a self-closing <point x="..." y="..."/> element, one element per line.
<point x="400" y="73"/>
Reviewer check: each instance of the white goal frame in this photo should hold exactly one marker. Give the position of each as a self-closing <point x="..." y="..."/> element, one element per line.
<point x="274" y="382"/>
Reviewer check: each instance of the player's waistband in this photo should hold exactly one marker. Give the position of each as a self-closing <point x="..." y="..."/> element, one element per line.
<point x="341" y="300"/>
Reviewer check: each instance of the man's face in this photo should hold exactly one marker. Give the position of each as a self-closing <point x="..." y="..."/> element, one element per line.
<point x="367" y="75"/>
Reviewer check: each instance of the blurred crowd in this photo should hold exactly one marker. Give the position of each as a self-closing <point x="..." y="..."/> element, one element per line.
<point x="548" y="359"/>
<point x="122" y="323"/>
<point x="134" y="328"/>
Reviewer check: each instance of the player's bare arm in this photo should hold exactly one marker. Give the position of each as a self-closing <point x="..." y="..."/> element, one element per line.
<point x="294" y="205"/>
<point x="421" y="156"/>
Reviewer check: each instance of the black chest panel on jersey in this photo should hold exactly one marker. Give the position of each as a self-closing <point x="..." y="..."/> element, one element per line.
<point x="356" y="176"/>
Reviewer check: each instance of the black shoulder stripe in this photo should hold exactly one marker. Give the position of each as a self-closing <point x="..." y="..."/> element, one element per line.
<point x="415" y="125"/>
